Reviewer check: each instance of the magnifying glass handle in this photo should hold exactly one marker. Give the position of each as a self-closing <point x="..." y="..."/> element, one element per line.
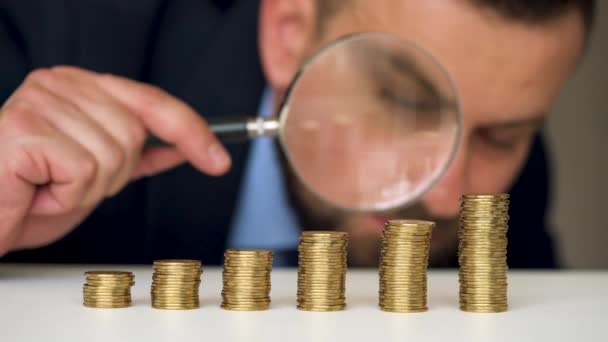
<point x="234" y="129"/>
<point x="230" y="129"/>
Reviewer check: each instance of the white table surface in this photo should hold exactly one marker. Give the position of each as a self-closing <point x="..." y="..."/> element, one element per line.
<point x="43" y="303"/>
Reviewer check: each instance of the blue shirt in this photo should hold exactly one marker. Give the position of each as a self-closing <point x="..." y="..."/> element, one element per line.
<point x="264" y="219"/>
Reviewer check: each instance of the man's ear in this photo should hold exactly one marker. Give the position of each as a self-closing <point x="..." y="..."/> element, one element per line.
<point x="287" y="29"/>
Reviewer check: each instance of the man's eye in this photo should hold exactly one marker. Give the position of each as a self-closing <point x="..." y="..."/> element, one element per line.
<point x="426" y="112"/>
<point x="505" y="141"/>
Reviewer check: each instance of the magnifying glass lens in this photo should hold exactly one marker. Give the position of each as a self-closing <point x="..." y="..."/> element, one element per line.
<point x="370" y="123"/>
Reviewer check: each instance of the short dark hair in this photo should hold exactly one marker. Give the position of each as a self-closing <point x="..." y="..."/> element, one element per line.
<point x="525" y="10"/>
<point x="534" y="11"/>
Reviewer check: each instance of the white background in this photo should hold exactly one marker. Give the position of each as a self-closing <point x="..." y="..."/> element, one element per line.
<point x="44" y="304"/>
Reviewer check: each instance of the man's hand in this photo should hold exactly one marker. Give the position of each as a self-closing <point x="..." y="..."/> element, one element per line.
<point x="70" y="138"/>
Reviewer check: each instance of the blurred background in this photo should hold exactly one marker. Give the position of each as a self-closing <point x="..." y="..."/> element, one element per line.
<point x="577" y="136"/>
<point x="577" y="133"/>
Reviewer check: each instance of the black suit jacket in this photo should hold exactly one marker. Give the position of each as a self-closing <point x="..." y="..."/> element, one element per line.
<point x="204" y="52"/>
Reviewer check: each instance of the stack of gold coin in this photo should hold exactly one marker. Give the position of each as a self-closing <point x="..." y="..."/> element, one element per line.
<point x="322" y="270"/>
<point x="403" y="263"/>
<point x="482" y="252"/>
<point x="108" y="289"/>
<point x="175" y="284"/>
<point x="246" y="279"/>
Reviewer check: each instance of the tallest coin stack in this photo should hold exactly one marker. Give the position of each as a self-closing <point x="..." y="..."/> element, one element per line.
<point x="482" y="252"/>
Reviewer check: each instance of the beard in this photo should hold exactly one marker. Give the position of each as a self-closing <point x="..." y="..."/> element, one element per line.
<point x="365" y="229"/>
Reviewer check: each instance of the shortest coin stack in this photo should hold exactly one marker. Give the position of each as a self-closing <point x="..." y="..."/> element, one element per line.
<point x="403" y="264"/>
<point x="246" y="279"/>
<point x="108" y="289"/>
<point x="322" y="270"/>
<point x="175" y="284"/>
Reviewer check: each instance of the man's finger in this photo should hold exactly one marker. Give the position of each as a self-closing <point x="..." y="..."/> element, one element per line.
<point x="156" y="160"/>
<point x="17" y="194"/>
<point x="172" y="121"/>
<point x="39" y="175"/>
<point x="60" y="171"/>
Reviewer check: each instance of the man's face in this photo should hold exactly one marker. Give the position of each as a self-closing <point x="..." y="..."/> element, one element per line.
<point x="507" y="74"/>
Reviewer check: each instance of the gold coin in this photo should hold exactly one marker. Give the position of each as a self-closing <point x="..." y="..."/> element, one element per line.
<point x="109" y="274"/>
<point x="175" y="294"/>
<point x="321" y="301"/>
<point x="106" y="290"/>
<point x="245" y="308"/>
<point x="107" y="295"/>
<point x="406" y="309"/>
<point x="105" y="283"/>
<point x="178" y="262"/>
<point x="321" y="308"/>
<point x="175" y="307"/>
<point x="105" y="306"/>
<point x="323" y="234"/>
<point x="105" y="302"/>
<point x="171" y="281"/>
<point x="175" y="301"/>
<point x="185" y="301"/>
<point x="94" y="301"/>
<point x="245" y="251"/>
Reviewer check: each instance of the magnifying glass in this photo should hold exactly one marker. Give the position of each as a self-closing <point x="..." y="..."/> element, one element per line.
<point x="369" y="123"/>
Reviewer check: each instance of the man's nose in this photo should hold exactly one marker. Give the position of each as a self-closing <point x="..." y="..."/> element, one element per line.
<point x="443" y="200"/>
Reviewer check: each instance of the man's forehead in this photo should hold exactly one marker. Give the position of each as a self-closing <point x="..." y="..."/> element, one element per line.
<point x="433" y="22"/>
<point x="499" y="64"/>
